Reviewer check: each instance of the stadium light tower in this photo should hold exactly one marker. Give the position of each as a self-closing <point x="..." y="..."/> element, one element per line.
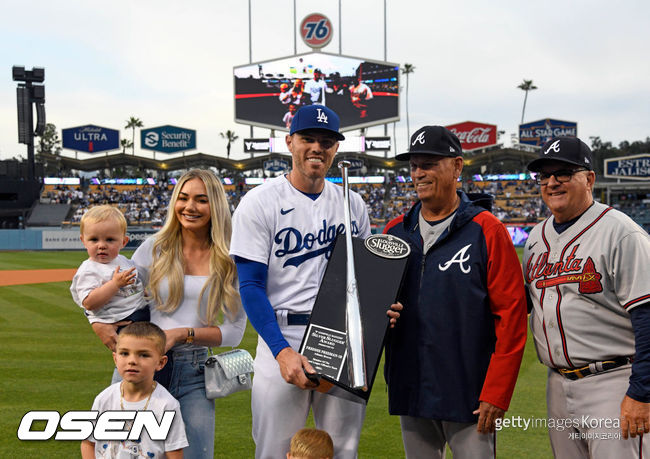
<point x="28" y="93"/>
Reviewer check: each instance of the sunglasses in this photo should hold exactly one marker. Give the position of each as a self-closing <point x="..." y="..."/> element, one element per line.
<point x="562" y="176"/>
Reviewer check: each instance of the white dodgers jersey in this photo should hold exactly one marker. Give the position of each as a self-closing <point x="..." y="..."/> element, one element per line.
<point x="293" y="235"/>
<point x="583" y="283"/>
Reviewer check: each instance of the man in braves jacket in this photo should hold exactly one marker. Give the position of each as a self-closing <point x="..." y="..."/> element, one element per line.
<point x="586" y="271"/>
<point x="453" y="358"/>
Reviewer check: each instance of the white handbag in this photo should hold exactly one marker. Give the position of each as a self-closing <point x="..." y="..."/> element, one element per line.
<point x="228" y="373"/>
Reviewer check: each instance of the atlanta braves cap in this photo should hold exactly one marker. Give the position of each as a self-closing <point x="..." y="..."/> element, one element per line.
<point x="316" y="117"/>
<point x="432" y="140"/>
<point x="570" y="150"/>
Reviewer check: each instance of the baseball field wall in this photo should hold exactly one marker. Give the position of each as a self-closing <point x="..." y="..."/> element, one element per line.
<point x="56" y="239"/>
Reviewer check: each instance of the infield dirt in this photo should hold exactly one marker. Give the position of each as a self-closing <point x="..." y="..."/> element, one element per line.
<point x="35" y="276"/>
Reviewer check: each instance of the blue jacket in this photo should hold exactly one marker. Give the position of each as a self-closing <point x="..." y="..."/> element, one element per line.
<point x="461" y="335"/>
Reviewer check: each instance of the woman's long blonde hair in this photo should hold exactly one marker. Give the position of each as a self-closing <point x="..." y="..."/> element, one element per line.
<point x="168" y="259"/>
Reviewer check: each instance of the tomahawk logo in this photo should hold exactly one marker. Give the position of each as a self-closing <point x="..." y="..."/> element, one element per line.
<point x="460" y="257"/>
<point x="322" y="117"/>
<point x="110" y="425"/>
<point x="555" y="146"/>
<point x="419" y="139"/>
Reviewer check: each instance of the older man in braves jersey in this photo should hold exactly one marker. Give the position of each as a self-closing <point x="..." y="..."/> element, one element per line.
<point x="282" y="237"/>
<point x="453" y="358"/>
<point x="586" y="270"/>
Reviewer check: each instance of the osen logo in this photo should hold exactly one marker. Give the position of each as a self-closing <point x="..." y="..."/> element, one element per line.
<point x="387" y="246"/>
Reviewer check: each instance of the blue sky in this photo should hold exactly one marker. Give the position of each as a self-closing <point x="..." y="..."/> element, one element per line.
<point x="170" y="62"/>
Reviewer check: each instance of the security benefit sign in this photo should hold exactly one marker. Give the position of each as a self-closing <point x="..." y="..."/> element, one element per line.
<point x="636" y="167"/>
<point x="538" y="132"/>
<point x="168" y="139"/>
<point x="90" y="138"/>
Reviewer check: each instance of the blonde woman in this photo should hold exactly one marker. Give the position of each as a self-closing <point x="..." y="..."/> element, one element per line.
<point x="193" y="283"/>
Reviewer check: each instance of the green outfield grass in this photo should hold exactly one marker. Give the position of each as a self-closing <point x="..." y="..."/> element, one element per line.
<point x="51" y="360"/>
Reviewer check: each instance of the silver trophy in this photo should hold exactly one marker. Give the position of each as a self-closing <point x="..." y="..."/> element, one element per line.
<point x="354" y="335"/>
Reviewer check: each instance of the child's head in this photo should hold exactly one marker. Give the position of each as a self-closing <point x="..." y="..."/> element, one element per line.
<point x="103" y="233"/>
<point x="311" y="444"/>
<point x="140" y="351"/>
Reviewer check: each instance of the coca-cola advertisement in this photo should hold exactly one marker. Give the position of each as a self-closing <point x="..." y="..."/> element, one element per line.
<point x="473" y="135"/>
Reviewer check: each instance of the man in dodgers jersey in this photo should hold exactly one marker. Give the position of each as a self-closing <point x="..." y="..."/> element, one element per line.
<point x="586" y="270"/>
<point x="282" y="238"/>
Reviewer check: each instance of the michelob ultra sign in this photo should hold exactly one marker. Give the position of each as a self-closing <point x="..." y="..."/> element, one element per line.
<point x="90" y="138"/>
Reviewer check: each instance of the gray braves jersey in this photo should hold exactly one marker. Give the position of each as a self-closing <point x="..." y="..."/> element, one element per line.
<point x="583" y="284"/>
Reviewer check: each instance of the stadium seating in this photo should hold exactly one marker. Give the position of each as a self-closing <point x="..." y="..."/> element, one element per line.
<point x="515" y="202"/>
<point x="48" y="214"/>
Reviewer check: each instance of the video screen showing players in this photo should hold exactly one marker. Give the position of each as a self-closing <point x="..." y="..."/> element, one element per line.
<point x="361" y="92"/>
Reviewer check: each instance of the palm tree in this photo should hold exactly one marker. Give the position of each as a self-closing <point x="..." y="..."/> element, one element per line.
<point x="133" y="123"/>
<point x="408" y="68"/>
<point x="230" y="136"/>
<point x="125" y="143"/>
<point x="526" y="85"/>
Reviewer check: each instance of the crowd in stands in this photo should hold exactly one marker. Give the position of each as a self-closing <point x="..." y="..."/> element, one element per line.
<point x="635" y="205"/>
<point x="515" y="201"/>
<point x="144" y="206"/>
<point x="374" y="198"/>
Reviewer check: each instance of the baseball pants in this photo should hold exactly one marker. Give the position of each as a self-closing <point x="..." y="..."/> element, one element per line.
<point x="428" y="438"/>
<point x="586" y="413"/>
<point x="281" y="409"/>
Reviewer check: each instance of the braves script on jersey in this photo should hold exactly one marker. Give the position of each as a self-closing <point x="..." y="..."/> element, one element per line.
<point x="584" y="282"/>
<point x="292" y="234"/>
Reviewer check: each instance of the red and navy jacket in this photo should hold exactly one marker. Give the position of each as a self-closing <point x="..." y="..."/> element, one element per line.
<point x="461" y="336"/>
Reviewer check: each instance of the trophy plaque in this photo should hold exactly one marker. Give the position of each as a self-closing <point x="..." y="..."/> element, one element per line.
<point x="345" y="335"/>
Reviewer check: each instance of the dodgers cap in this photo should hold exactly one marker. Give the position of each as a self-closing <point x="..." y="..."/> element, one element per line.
<point x="316" y="117"/>
<point x="432" y="140"/>
<point x="569" y="150"/>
